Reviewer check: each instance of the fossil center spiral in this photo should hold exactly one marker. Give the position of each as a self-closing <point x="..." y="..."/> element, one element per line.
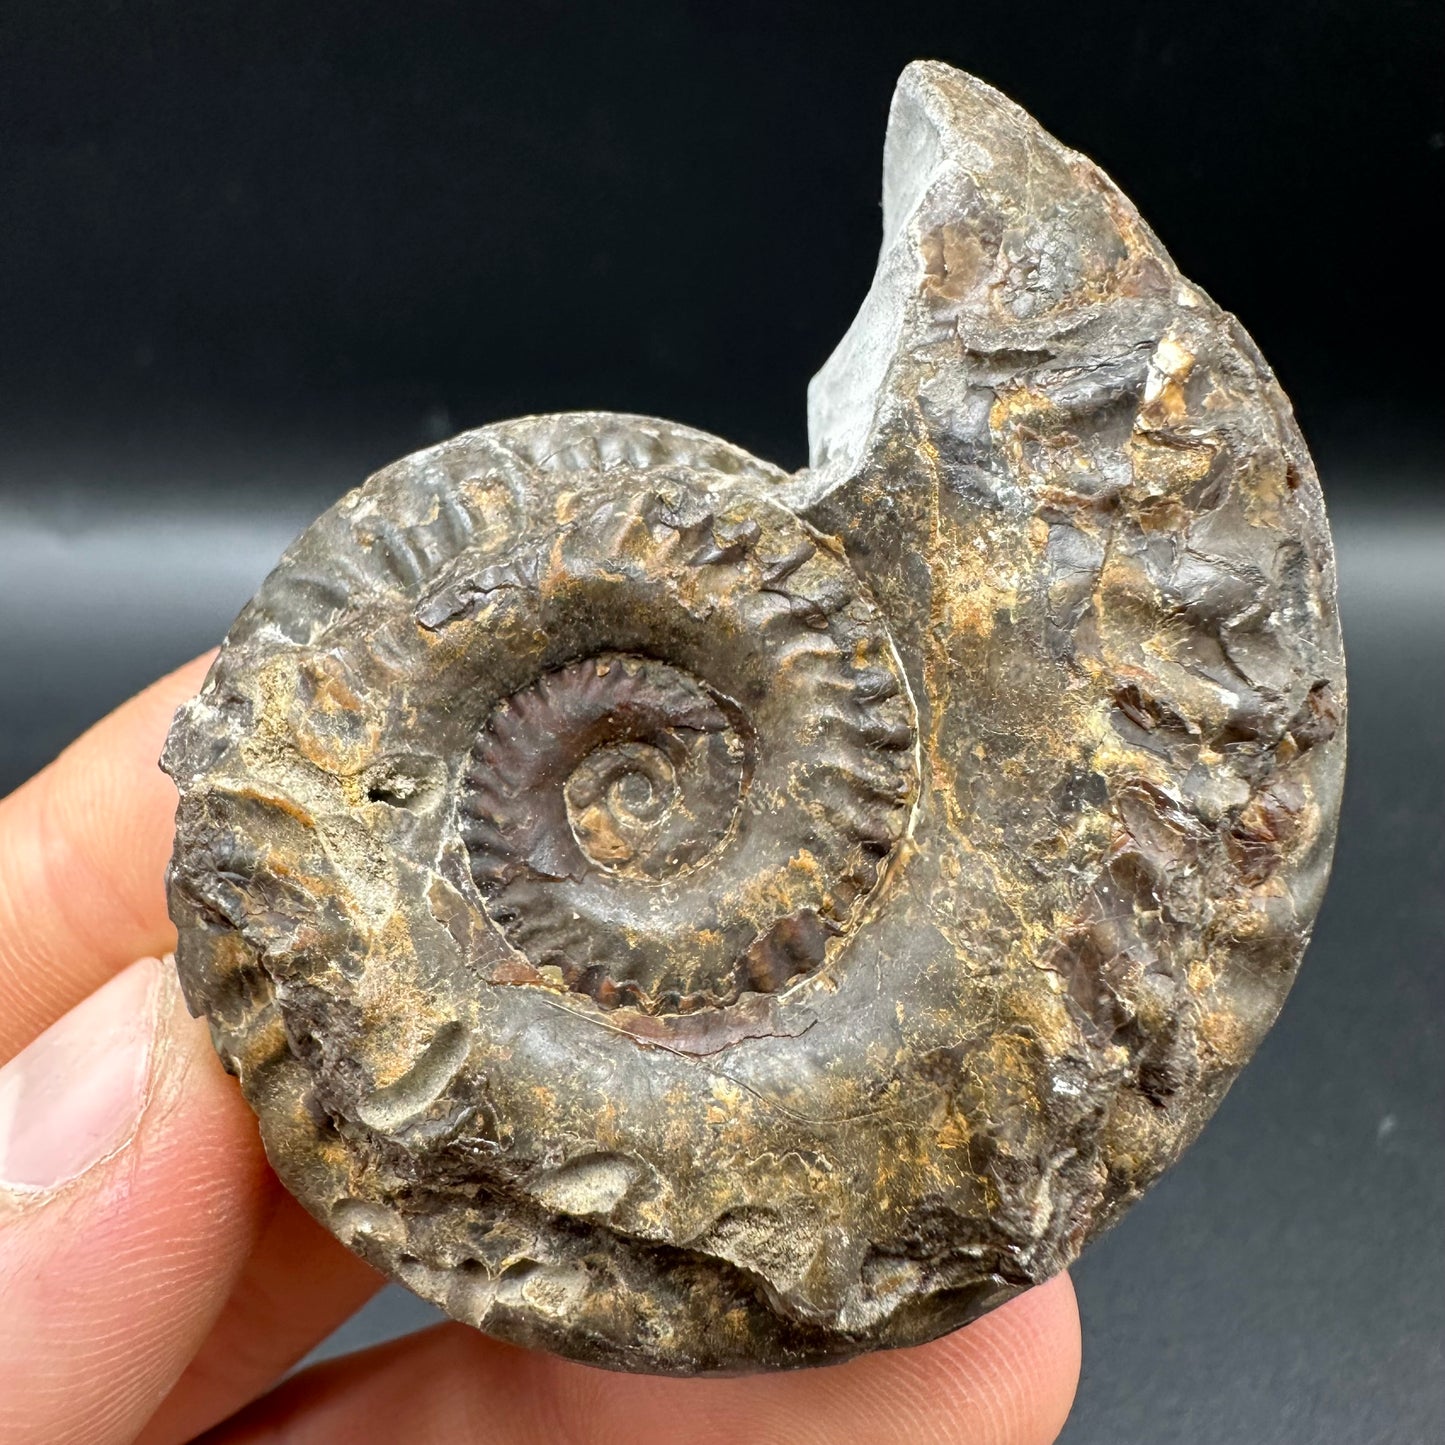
<point x="658" y="766"/>
<point x="652" y="807"/>
<point x="703" y="795"/>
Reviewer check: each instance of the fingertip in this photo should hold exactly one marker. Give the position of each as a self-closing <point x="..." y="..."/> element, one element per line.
<point x="1008" y="1378"/>
<point x="1013" y="1374"/>
<point x="114" y="1272"/>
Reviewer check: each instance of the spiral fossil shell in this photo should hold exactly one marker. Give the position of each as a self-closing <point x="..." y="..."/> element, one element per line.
<point x="693" y="917"/>
<point x="772" y="748"/>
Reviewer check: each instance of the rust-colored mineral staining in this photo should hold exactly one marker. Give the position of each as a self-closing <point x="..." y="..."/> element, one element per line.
<point x="698" y="918"/>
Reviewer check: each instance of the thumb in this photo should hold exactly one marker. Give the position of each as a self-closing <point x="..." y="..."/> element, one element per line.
<point x="130" y="1176"/>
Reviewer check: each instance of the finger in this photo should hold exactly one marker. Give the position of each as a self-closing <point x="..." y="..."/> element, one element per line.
<point x="83" y="849"/>
<point x="299" y="1284"/>
<point x="133" y="1189"/>
<point x="1008" y="1379"/>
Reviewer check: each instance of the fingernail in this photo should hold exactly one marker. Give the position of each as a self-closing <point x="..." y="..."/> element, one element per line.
<point x="76" y="1094"/>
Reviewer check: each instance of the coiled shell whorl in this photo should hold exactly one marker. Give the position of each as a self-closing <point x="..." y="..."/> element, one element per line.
<point x="698" y="918"/>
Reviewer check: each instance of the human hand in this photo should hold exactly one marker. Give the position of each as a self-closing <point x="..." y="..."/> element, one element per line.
<point x="156" y="1281"/>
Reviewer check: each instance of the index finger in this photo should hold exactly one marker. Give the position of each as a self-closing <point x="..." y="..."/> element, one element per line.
<point x="83" y="850"/>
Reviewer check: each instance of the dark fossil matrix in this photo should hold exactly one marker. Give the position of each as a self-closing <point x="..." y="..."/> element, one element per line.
<point x="693" y="917"/>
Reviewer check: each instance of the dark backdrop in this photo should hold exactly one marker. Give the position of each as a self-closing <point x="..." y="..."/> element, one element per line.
<point x="290" y="218"/>
<point x="249" y="251"/>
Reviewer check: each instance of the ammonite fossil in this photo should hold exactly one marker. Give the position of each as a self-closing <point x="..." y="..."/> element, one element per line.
<point x="693" y="917"/>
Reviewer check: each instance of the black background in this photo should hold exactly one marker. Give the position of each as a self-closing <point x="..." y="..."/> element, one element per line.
<point x="248" y="252"/>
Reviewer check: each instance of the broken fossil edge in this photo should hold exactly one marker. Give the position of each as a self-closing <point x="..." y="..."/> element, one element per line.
<point x="1041" y="649"/>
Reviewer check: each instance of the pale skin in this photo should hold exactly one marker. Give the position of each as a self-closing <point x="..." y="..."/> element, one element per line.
<point x="156" y="1282"/>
